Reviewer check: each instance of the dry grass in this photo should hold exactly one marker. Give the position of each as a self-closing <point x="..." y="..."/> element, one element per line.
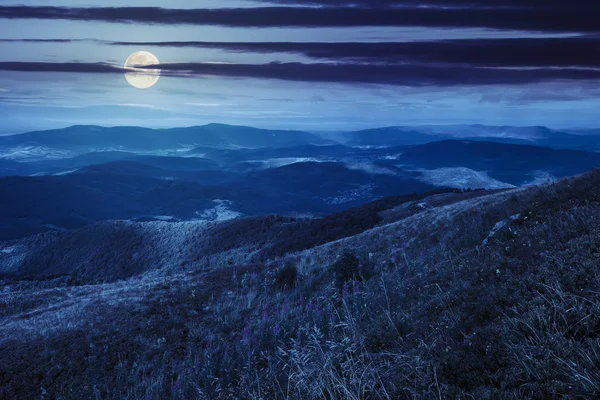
<point x="439" y="318"/>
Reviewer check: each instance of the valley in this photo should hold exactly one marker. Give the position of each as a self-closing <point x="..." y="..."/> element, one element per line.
<point x="179" y="174"/>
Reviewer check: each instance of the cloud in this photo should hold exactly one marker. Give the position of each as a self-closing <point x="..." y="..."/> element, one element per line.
<point x="437" y="3"/>
<point x="141" y="105"/>
<point x="39" y="40"/>
<point x="410" y="75"/>
<point x="59" y="67"/>
<point x="204" y="104"/>
<point x="581" y="51"/>
<point x="278" y="100"/>
<point x="561" y="92"/>
<point x="557" y="19"/>
<point x="573" y="51"/>
<point x="406" y="75"/>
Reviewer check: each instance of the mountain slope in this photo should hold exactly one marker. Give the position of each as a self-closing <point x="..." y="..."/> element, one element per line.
<point x="134" y="190"/>
<point x="391" y="136"/>
<point x="509" y="163"/>
<point x="588" y="140"/>
<point x="494" y="296"/>
<point x="12" y="168"/>
<point x="88" y="253"/>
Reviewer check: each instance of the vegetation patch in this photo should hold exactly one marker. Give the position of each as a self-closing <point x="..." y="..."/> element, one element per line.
<point x="432" y="317"/>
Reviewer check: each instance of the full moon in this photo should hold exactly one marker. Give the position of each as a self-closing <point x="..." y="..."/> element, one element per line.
<point x="142" y="78"/>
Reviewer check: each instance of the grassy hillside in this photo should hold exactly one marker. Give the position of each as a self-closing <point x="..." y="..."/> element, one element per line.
<point x="491" y="295"/>
<point x="112" y="250"/>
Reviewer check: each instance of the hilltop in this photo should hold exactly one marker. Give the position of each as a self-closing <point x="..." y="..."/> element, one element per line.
<point x="484" y="294"/>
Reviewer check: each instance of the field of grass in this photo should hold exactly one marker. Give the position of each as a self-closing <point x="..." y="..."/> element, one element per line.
<point x="426" y="304"/>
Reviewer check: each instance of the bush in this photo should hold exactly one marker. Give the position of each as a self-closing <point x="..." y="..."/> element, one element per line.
<point x="349" y="267"/>
<point x="286" y="277"/>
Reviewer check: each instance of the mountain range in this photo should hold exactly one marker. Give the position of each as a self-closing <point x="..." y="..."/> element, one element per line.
<point x="232" y="262"/>
<point x="69" y="178"/>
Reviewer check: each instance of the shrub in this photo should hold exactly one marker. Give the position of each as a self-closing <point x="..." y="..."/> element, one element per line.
<point x="286" y="277"/>
<point x="349" y="267"/>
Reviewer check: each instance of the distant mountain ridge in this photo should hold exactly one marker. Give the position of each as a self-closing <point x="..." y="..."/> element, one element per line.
<point x="191" y="141"/>
<point x="581" y="139"/>
<point x="69" y="178"/>
<point x="504" y="161"/>
<point x="72" y="193"/>
<point x="145" y="139"/>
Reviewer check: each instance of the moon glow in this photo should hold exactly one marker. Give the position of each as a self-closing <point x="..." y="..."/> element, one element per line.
<point x="142" y="78"/>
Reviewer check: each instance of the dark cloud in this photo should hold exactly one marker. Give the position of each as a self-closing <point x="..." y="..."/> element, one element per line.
<point x="38" y="40"/>
<point x="59" y="67"/>
<point x="561" y="52"/>
<point x="577" y="19"/>
<point x="410" y="75"/>
<point x="562" y="4"/>
<point x="583" y="51"/>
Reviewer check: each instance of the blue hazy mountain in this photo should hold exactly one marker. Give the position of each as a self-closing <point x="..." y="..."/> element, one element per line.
<point x="184" y="173"/>
<point x="11" y="168"/>
<point x="506" y="162"/>
<point x="110" y="143"/>
<point x="76" y="138"/>
<point x="130" y="190"/>
<point x="537" y="135"/>
<point x="309" y="150"/>
<point x="391" y="136"/>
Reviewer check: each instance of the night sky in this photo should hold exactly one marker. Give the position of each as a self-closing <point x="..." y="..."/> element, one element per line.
<point x="316" y="65"/>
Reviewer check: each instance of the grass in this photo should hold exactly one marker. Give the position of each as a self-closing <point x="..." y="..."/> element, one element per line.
<point x="438" y="316"/>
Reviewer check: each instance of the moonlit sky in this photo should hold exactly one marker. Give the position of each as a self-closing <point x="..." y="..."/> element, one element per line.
<point x="313" y="64"/>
